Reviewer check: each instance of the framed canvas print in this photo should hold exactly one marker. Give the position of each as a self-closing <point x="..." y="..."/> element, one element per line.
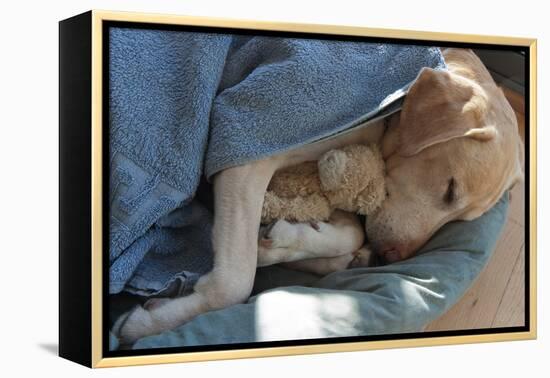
<point x="235" y="189"/>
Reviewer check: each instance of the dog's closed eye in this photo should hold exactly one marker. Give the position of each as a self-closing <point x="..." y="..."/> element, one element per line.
<point x="450" y="194"/>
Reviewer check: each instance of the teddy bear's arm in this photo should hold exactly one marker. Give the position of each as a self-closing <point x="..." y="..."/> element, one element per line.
<point x="298" y="180"/>
<point x="314" y="207"/>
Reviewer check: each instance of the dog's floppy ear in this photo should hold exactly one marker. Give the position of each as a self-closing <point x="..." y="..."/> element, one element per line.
<point x="441" y="106"/>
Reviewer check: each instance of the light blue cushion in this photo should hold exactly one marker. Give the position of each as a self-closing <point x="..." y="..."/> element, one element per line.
<point x="397" y="298"/>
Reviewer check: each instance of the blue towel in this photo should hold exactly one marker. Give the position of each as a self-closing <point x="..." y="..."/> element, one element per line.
<point x="184" y="105"/>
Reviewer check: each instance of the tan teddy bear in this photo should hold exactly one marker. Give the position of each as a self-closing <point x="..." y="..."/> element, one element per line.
<point x="350" y="179"/>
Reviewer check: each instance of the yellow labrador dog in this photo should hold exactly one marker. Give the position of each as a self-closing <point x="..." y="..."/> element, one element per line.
<point x="450" y="154"/>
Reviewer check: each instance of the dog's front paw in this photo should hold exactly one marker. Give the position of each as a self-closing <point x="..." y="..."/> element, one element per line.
<point x="279" y="234"/>
<point x="134" y="325"/>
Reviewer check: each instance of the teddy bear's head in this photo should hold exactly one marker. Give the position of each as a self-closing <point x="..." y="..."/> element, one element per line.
<point x="353" y="178"/>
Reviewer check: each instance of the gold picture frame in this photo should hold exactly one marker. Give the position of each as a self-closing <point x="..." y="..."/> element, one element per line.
<point x="88" y="329"/>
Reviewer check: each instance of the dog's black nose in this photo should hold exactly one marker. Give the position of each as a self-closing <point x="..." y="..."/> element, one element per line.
<point x="385" y="256"/>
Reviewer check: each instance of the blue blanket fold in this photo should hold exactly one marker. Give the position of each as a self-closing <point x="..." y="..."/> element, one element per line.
<point x="279" y="93"/>
<point x="187" y="104"/>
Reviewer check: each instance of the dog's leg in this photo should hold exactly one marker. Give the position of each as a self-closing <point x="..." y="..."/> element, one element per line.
<point x="239" y="194"/>
<point x="283" y="241"/>
<point x="325" y="265"/>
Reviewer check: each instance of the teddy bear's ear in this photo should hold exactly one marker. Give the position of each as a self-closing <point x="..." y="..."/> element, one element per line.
<point x="332" y="168"/>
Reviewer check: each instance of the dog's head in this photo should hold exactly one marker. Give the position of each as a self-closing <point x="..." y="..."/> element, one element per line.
<point x="450" y="154"/>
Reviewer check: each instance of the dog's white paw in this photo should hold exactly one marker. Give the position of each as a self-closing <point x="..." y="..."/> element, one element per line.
<point x="134" y="325"/>
<point x="285" y="234"/>
<point x="283" y="241"/>
<point x="279" y="234"/>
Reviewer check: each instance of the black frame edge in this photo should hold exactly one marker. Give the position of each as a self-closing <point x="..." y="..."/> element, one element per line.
<point x="75" y="148"/>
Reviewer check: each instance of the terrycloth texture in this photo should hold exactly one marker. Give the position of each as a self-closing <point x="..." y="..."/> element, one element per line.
<point x="397" y="298"/>
<point x="281" y="93"/>
<point x="187" y="229"/>
<point x="161" y="86"/>
<point x="182" y="100"/>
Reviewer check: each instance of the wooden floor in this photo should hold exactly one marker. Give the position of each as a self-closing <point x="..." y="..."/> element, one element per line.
<point x="497" y="298"/>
